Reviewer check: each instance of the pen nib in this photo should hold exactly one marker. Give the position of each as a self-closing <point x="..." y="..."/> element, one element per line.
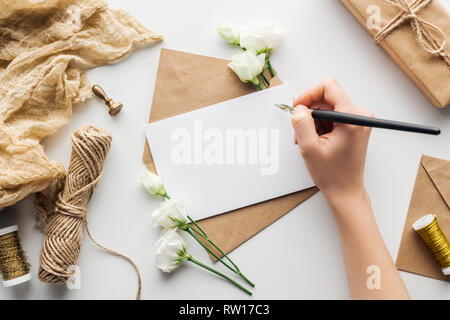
<point x="285" y="107"/>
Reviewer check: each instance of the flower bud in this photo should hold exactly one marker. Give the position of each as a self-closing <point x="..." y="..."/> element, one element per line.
<point x="153" y="184"/>
<point x="228" y="32"/>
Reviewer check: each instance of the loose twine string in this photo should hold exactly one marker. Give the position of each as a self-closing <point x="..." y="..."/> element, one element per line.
<point x="62" y="241"/>
<point x="422" y="29"/>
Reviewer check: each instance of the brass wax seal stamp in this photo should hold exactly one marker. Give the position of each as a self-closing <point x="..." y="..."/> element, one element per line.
<point x="114" y="107"/>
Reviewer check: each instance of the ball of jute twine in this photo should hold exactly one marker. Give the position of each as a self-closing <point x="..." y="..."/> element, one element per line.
<point x="62" y="241"/>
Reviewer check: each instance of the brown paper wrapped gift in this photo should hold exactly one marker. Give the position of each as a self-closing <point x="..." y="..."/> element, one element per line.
<point x="416" y="34"/>
<point x="431" y="194"/>
<point x="186" y="82"/>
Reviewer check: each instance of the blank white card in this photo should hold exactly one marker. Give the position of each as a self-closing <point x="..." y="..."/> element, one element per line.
<point x="229" y="155"/>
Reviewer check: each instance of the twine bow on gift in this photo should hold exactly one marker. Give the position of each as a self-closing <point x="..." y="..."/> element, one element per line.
<point x="433" y="43"/>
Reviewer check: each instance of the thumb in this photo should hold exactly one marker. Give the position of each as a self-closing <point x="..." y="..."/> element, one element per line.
<point x="304" y="127"/>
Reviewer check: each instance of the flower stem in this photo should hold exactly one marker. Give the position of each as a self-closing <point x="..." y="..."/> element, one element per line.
<point x="197" y="226"/>
<point x="190" y="258"/>
<point x="196" y="231"/>
<point x="245" y="279"/>
<point x="265" y="80"/>
<point x="209" y="250"/>
<point x="262" y="81"/>
<point x="205" y="236"/>
<point x="166" y="196"/>
<point x="269" y="65"/>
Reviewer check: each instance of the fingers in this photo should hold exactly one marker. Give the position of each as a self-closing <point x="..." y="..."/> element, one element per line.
<point x="305" y="129"/>
<point x="328" y="90"/>
<point x="332" y="94"/>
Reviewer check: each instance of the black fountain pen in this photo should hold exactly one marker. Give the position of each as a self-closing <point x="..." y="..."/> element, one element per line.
<point x="357" y="120"/>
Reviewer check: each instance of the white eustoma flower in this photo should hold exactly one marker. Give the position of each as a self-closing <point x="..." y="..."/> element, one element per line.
<point x="228" y="32"/>
<point x="261" y="37"/>
<point x="170" y="214"/>
<point x="153" y="184"/>
<point x="248" y="66"/>
<point x="170" y="250"/>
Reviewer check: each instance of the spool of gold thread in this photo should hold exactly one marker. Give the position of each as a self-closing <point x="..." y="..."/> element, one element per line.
<point x="13" y="264"/>
<point x="428" y="229"/>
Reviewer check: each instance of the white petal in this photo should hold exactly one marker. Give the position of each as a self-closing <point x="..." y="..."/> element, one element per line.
<point x="259" y="37"/>
<point x="152" y="183"/>
<point x="170" y="209"/>
<point x="167" y="248"/>
<point x="247" y="65"/>
<point x="228" y="32"/>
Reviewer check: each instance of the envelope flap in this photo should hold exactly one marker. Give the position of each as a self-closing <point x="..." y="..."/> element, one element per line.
<point x="439" y="172"/>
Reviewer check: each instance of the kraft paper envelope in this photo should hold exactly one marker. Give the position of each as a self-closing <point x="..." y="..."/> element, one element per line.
<point x="187" y="82"/>
<point x="431" y="194"/>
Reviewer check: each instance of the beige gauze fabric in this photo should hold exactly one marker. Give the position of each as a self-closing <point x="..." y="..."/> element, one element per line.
<point x="45" y="47"/>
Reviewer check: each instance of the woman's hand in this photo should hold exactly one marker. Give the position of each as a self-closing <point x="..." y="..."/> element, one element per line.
<point x="335" y="156"/>
<point x="334" y="153"/>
